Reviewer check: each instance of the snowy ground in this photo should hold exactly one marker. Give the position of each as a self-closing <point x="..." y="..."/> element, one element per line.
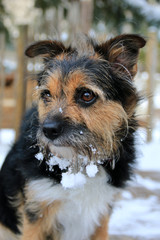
<point x="137" y="212"/>
<point x="136" y="215"/>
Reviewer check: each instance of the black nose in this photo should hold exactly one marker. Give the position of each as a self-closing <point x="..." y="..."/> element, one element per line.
<point x="53" y="128"/>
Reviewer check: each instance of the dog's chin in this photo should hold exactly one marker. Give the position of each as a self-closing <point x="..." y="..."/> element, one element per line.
<point x="72" y="152"/>
<point x="62" y="151"/>
<point x="59" y="147"/>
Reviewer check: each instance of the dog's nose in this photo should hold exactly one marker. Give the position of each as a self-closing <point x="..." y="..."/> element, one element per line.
<point x="53" y="128"/>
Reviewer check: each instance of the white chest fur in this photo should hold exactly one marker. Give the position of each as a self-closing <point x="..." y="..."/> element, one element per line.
<point x="81" y="208"/>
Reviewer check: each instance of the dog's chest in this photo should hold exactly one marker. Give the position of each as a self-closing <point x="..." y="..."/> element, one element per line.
<point x="81" y="209"/>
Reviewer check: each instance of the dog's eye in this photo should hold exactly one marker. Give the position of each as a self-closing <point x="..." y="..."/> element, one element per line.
<point x="85" y="97"/>
<point x="46" y="95"/>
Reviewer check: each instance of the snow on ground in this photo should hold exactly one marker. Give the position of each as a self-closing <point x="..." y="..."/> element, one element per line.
<point x="150" y="160"/>
<point x="136" y="214"/>
<point x="136" y="217"/>
<point x="148" y="155"/>
<point x="6" y="140"/>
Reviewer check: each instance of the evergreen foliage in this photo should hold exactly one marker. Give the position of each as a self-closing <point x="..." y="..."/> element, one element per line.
<point x="2" y="26"/>
<point x="116" y="13"/>
<point x="45" y="4"/>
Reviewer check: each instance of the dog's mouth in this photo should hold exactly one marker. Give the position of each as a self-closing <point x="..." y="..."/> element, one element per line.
<point x="68" y="157"/>
<point x="72" y="159"/>
<point x="73" y="151"/>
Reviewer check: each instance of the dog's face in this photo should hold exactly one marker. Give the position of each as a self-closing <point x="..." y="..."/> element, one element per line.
<point x="86" y="99"/>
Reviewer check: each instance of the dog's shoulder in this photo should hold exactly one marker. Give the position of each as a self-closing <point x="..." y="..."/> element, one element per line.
<point x="12" y="179"/>
<point x="26" y="139"/>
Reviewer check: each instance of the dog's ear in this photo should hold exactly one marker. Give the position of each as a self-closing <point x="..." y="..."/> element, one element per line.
<point x="122" y="52"/>
<point x="46" y="48"/>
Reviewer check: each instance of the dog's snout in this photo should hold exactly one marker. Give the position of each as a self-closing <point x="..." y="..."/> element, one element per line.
<point x="53" y="128"/>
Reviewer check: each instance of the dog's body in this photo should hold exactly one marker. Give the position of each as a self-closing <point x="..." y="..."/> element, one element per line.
<point x="85" y="114"/>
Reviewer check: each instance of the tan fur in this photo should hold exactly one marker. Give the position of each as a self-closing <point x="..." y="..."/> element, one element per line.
<point x="78" y="79"/>
<point x="95" y="56"/>
<point x="62" y="56"/>
<point x="6" y="234"/>
<point x="18" y="203"/>
<point x="132" y="104"/>
<point x="115" y="51"/>
<point x="54" y="84"/>
<point x="101" y="232"/>
<point x="108" y="118"/>
<point x="135" y="69"/>
<point x="44" y="226"/>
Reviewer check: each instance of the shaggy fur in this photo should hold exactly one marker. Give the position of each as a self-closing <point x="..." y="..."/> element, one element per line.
<point x="86" y="102"/>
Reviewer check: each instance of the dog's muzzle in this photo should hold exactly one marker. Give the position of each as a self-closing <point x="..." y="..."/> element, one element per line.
<point x="52" y="129"/>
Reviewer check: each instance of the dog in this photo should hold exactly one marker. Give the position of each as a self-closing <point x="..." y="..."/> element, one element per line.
<point x="77" y="143"/>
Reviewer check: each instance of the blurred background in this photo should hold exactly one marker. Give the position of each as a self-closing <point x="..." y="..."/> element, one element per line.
<point x="25" y="21"/>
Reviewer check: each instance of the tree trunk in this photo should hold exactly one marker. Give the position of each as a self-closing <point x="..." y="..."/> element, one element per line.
<point x="21" y="81"/>
<point x="151" y="59"/>
<point x="86" y="15"/>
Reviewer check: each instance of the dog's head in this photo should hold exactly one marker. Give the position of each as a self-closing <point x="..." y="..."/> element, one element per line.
<point x="86" y="95"/>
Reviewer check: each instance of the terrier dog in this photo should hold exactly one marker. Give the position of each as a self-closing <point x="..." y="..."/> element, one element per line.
<point x="76" y="144"/>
